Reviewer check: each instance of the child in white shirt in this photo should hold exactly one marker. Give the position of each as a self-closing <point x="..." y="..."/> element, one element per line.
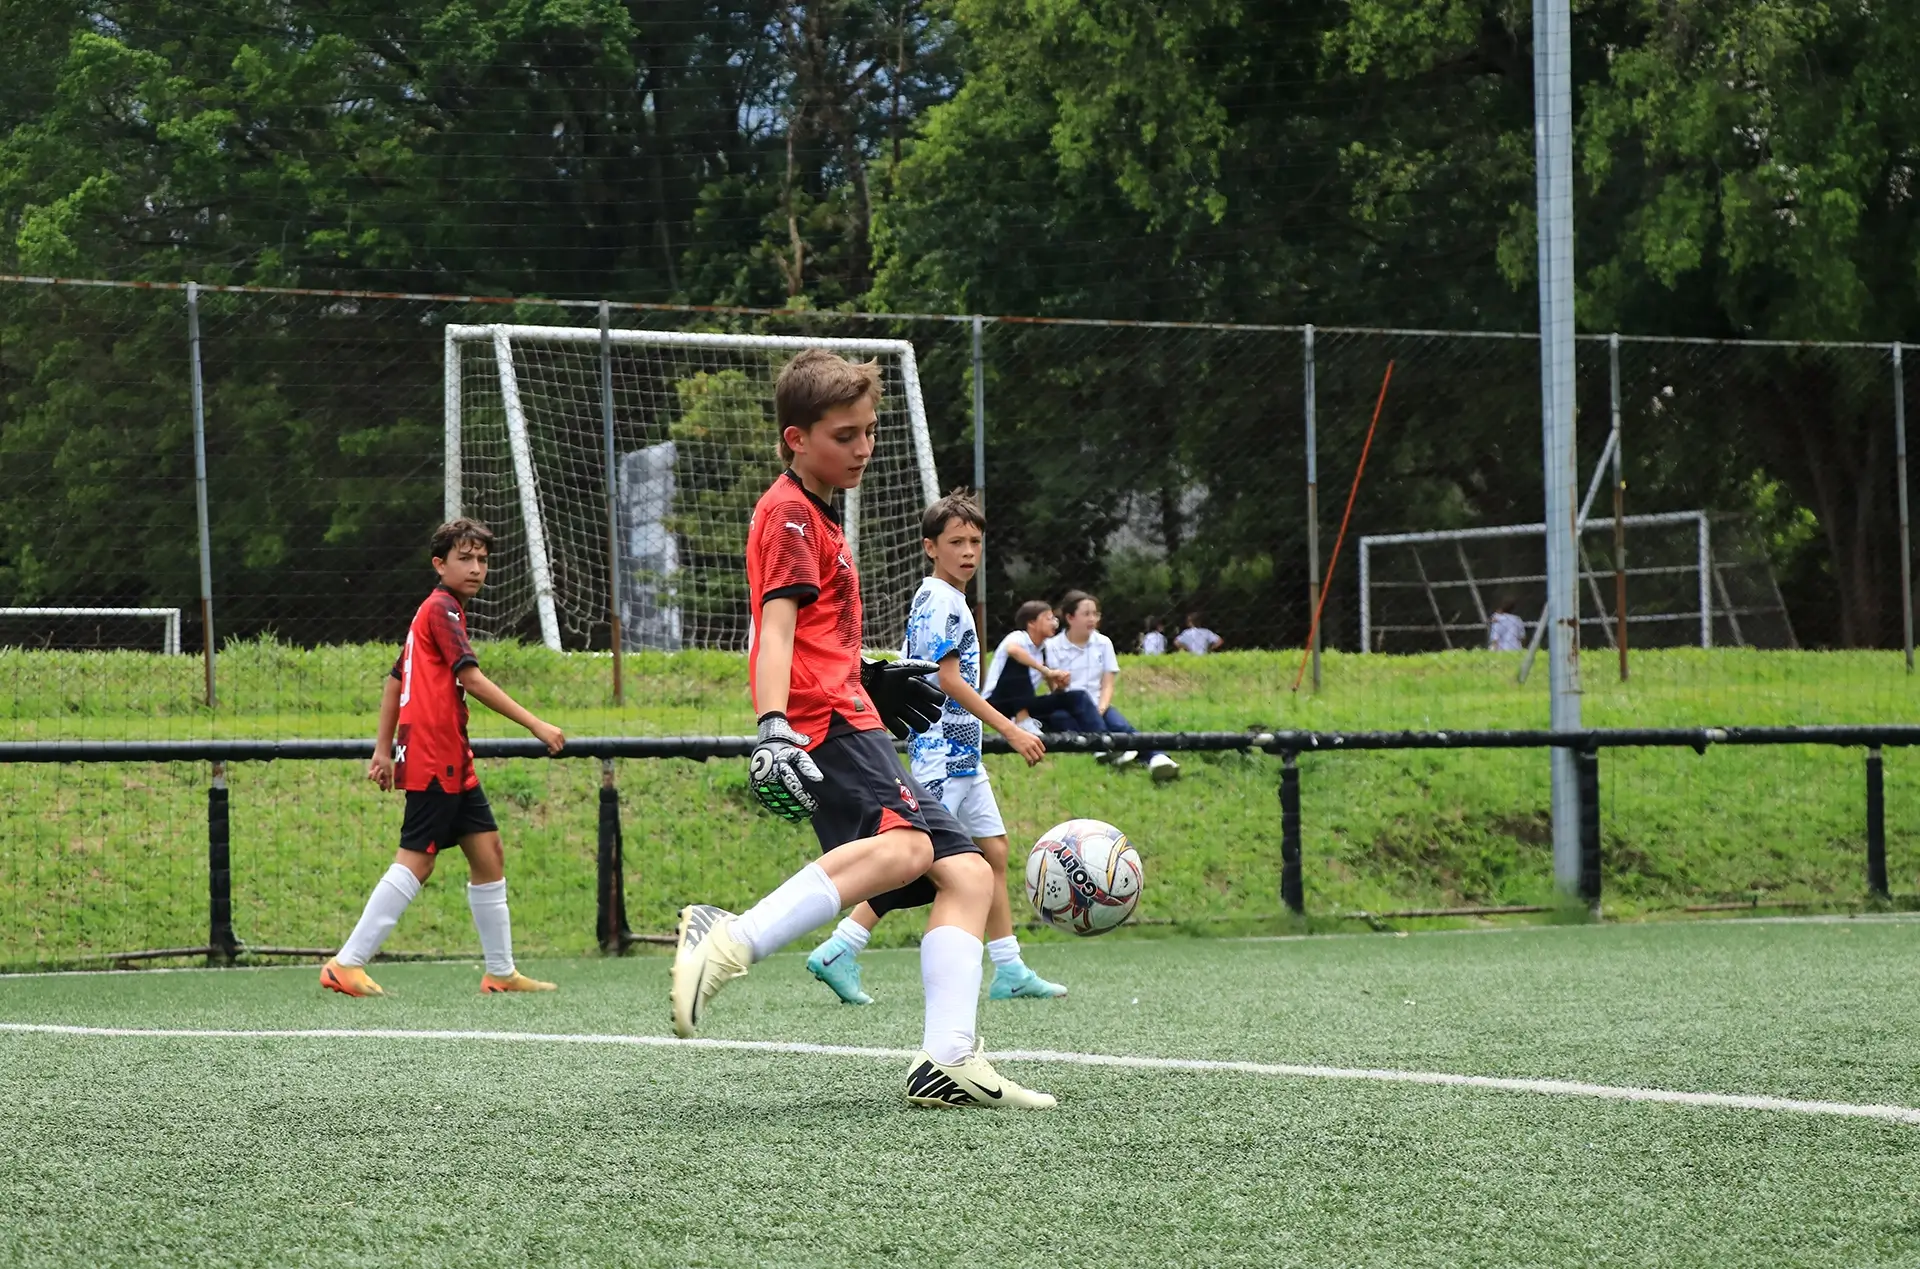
<point x="1088" y="657"/>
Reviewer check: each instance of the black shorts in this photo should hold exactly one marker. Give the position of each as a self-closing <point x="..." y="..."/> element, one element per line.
<point x="866" y="792"/>
<point x="437" y="819"/>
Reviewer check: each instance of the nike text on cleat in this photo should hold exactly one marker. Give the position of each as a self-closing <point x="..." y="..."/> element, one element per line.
<point x="1016" y="981"/>
<point x="972" y="1082"/>
<point x="836" y="964"/>
<point x="348" y="980"/>
<point x="516" y="981"/>
<point x="705" y="957"/>
<point x="1163" y="768"/>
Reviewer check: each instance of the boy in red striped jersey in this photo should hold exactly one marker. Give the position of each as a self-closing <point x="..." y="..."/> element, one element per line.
<point x="422" y="748"/>
<point x="823" y="752"/>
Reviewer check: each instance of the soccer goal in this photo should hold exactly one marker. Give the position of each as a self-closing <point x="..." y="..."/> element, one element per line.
<point x="1691" y="579"/>
<point x="618" y="469"/>
<point x="93" y="628"/>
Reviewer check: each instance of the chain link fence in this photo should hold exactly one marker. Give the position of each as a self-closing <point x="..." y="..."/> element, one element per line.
<point x="1170" y="469"/>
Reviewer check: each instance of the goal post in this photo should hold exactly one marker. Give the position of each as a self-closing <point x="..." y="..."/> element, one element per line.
<point x="693" y="445"/>
<point x="169" y="619"/>
<point x="1438" y="589"/>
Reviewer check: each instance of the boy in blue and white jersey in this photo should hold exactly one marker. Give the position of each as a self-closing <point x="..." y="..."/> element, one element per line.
<point x="946" y="757"/>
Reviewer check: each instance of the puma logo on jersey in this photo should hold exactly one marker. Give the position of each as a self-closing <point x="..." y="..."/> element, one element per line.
<point x="797" y="527"/>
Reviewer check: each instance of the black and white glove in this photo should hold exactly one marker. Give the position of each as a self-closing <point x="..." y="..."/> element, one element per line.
<point x="905" y="698"/>
<point x="780" y="769"/>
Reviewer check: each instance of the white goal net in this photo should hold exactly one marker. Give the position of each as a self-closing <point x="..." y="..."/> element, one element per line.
<point x="537" y="417"/>
<point x="1691" y="579"/>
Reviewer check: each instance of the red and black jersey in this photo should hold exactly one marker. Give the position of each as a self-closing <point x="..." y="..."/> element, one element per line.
<point x="797" y="550"/>
<point x="430" y="748"/>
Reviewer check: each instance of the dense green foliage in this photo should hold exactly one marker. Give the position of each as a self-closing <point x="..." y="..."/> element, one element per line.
<point x="1745" y="169"/>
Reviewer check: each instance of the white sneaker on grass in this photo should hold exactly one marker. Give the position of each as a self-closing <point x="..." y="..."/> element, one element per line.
<point x="1163" y="768"/>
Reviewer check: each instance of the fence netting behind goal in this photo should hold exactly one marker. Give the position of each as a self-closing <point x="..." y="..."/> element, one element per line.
<point x="694" y="445"/>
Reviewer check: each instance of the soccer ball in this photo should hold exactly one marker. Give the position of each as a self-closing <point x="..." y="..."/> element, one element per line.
<point x="1085" y="875"/>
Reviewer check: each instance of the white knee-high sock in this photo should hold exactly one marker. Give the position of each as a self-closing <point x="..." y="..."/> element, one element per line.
<point x="853" y="934"/>
<point x="390" y="897"/>
<point x="805" y="900"/>
<point x="950" y="974"/>
<point x="488" y="903"/>
<point x="1004" y="951"/>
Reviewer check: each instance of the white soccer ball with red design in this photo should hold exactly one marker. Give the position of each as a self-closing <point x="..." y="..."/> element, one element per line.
<point x="1084" y="875"/>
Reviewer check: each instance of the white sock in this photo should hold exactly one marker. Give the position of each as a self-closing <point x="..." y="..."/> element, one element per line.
<point x="852" y="933"/>
<point x="950" y="974"/>
<point x="488" y="903"/>
<point x="804" y="901"/>
<point x="1004" y="951"/>
<point x="390" y="897"/>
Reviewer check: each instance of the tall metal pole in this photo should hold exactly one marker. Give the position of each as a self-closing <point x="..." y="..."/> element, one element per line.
<point x="1313" y="510"/>
<point x="980" y="464"/>
<point x="1553" y="178"/>
<point x="1619" y="510"/>
<point x="613" y="495"/>
<point x="200" y="487"/>
<point x="1900" y="468"/>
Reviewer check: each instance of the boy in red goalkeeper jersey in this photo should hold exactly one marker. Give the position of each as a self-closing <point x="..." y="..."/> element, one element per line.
<point x="422" y="748"/>
<point x="823" y="752"/>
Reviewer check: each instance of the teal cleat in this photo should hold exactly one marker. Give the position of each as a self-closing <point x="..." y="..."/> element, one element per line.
<point x="838" y="966"/>
<point x="1017" y="981"/>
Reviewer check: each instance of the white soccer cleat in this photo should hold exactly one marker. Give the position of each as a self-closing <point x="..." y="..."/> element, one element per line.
<point x="972" y="1082"/>
<point x="705" y="958"/>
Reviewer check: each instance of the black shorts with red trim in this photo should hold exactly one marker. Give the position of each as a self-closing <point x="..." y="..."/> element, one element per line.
<point x="866" y="792"/>
<point x="437" y="820"/>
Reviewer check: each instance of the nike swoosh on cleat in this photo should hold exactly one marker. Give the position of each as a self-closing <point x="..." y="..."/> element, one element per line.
<point x="831" y="959"/>
<point x="990" y="1092"/>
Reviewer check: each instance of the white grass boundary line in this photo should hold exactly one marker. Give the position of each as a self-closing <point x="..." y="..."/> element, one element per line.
<point x="1551" y="1088"/>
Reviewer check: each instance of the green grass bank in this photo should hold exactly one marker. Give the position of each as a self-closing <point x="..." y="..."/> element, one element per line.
<point x="98" y="858"/>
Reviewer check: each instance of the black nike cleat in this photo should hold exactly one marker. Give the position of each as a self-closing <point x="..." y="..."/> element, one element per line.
<point x="972" y="1082"/>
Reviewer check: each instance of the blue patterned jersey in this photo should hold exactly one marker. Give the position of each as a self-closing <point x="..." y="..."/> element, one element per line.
<point x="938" y="625"/>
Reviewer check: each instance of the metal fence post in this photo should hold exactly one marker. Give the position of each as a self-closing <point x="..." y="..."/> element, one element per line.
<point x="980" y="460"/>
<point x="1290" y="889"/>
<point x="222" y="946"/>
<point x="1588" y="761"/>
<point x="610" y="924"/>
<point x="613" y="493"/>
<point x="1553" y="177"/>
<point x="1900" y="469"/>
<point x="1619" y="508"/>
<point x="200" y="488"/>
<point x="1876" y="824"/>
<point x="1313" y="508"/>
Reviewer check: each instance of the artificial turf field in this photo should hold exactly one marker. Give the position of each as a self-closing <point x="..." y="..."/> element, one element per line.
<point x="462" y="1130"/>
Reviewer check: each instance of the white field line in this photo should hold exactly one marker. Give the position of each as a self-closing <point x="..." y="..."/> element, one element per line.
<point x="1551" y="1088"/>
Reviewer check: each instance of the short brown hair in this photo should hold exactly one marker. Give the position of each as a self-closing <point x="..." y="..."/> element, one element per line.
<point x="456" y="531"/>
<point x="1071" y="601"/>
<point x="1029" y="612"/>
<point x="958" y="505"/>
<point x="815" y="381"/>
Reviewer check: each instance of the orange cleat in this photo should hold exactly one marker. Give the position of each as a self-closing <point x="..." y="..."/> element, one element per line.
<point x="516" y="981"/>
<point x="348" y="980"/>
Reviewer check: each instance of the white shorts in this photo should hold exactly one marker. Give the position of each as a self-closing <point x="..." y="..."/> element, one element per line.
<point x="969" y="799"/>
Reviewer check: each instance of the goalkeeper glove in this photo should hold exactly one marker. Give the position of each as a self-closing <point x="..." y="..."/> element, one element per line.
<point x="905" y="698"/>
<point x="780" y="769"/>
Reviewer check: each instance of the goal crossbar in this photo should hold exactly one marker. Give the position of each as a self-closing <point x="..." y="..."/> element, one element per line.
<point x="169" y="617"/>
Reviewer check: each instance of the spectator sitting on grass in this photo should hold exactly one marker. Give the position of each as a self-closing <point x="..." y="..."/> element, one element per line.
<point x="1196" y="638"/>
<point x="1505" y="631"/>
<point x="1088" y="656"/>
<point x="1014" y="691"/>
